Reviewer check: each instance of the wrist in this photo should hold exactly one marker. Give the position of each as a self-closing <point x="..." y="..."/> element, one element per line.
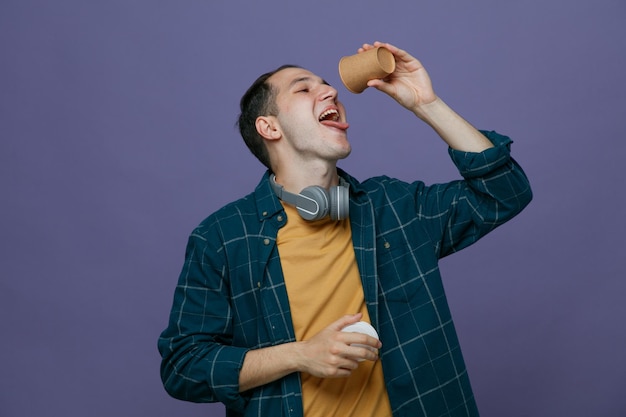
<point x="433" y="112"/>
<point x="297" y="357"/>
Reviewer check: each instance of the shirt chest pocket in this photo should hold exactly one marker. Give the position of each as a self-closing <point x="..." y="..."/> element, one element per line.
<point x="405" y="270"/>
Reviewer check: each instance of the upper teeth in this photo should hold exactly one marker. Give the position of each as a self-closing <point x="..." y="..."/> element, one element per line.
<point x="330" y="114"/>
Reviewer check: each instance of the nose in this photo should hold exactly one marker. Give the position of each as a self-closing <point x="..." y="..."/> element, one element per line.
<point x="328" y="92"/>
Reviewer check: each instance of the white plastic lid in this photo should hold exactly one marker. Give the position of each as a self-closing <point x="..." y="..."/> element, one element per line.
<point x="361" y="327"/>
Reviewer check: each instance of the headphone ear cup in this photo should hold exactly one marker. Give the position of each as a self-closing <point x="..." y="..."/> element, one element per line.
<point x="320" y="196"/>
<point x="339" y="202"/>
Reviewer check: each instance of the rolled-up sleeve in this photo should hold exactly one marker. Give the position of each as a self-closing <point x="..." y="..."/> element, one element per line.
<point x="199" y="364"/>
<point x="496" y="173"/>
<point x="494" y="189"/>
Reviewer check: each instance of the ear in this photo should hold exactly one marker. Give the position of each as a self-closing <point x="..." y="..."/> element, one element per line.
<point x="268" y="127"/>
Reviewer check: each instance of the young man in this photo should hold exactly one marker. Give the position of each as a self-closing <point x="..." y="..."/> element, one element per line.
<point x="270" y="281"/>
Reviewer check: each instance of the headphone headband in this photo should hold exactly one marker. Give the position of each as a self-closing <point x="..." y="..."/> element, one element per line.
<point x="314" y="202"/>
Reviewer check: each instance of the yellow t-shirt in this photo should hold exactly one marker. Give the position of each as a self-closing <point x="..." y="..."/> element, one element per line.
<point x="323" y="284"/>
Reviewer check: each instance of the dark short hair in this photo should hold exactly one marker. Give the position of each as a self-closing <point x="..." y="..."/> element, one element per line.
<point x="259" y="100"/>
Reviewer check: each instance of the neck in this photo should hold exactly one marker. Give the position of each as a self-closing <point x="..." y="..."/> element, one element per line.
<point x="295" y="180"/>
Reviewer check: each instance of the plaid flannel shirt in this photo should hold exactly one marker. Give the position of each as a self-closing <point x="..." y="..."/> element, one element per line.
<point x="231" y="295"/>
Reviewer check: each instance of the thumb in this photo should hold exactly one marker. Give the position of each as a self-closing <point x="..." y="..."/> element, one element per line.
<point x="345" y="321"/>
<point x="382" y="86"/>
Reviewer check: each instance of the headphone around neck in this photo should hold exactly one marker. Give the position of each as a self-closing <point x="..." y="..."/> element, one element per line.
<point x="314" y="202"/>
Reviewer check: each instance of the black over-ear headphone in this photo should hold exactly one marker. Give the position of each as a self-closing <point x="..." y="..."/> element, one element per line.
<point x="314" y="202"/>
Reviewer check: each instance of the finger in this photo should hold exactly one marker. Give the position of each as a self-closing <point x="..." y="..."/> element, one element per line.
<point x="399" y="54"/>
<point x="382" y="86"/>
<point x="392" y="48"/>
<point x="342" y="373"/>
<point x="345" y="321"/>
<point x="341" y="370"/>
<point x="342" y="365"/>
<point x="366" y="354"/>
<point x="378" y="44"/>
<point x="361" y="339"/>
<point x="362" y="352"/>
<point x="350" y="365"/>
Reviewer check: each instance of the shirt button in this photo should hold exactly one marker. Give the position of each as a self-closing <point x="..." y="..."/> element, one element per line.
<point x="264" y="213"/>
<point x="387" y="245"/>
<point x="266" y="241"/>
<point x="280" y="218"/>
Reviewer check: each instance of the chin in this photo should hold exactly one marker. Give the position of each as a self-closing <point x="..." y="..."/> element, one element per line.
<point x="346" y="153"/>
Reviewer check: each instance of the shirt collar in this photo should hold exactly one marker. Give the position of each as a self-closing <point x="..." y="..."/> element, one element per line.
<point x="268" y="205"/>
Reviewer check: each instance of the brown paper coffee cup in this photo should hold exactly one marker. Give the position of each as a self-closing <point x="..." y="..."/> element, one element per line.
<point x="356" y="70"/>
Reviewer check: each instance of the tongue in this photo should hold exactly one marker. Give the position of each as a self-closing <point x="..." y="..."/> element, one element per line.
<point x="337" y="125"/>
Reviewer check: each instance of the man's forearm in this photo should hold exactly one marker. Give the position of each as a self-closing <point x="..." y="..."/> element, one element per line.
<point x="262" y="366"/>
<point x="331" y="353"/>
<point x="452" y="128"/>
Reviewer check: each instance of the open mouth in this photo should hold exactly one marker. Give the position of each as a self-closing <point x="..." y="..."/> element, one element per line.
<point x="331" y="118"/>
<point x="330" y="115"/>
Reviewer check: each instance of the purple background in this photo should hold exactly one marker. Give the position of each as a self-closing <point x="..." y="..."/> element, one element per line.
<point x="117" y="137"/>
